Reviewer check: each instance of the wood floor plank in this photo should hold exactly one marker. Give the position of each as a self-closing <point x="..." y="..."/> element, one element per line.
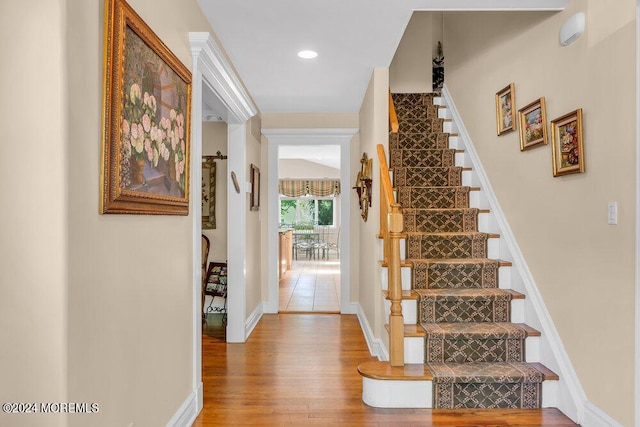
<point x="301" y="369"/>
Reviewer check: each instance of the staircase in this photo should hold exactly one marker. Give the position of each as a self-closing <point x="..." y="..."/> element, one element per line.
<point x="463" y="348"/>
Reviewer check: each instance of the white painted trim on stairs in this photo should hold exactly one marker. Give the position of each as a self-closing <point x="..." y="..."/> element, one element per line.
<point x="637" y="367"/>
<point x="595" y="417"/>
<point x="186" y="413"/>
<point x="376" y="346"/>
<point x="571" y="395"/>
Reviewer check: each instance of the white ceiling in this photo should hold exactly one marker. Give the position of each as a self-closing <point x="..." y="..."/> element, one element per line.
<point x="262" y="38"/>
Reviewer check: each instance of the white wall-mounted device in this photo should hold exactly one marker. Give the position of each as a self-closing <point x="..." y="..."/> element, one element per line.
<point x="572" y="29"/>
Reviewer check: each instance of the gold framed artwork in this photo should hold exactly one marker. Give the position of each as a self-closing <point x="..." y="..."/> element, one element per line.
<point x="505" y="109"/>
<point x="532" y="121"/>
<point x="208" y="193"/>
<point x="255" y="188"/>
<point x="146" y="120"/>
<point x="567" y="150"/>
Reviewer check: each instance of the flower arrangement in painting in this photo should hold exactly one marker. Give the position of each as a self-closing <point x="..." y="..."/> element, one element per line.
<point x="569" y="144"/>
<point x="146" y="139"/>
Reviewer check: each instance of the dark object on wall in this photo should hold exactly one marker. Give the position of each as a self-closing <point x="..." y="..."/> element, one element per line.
<point x="363" y="186"/>
<point x="255" y="188"/>
<point x="438" y="69"/>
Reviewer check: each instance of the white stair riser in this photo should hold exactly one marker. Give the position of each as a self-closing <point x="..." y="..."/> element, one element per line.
<point x="493" y="248"/>
<point x="456" y="142"/>
<point x="504" y="277"/>
<point x="409" y="310"/>
<point x="449" y="127"/>
<point x="405" y="277"/>
<point x="532" y="349"/>
<point x="550" y="394"/>
<point x="397" y="394"/>
<point x="517" y="311"/>
<point x="413" y="350"/>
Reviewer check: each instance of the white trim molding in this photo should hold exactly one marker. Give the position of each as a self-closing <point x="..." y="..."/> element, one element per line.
<point x="187" y="413"/>
<point x="571" y="396"/>
<point x="213" y="64"/>
<point x="637" y="323"/>
<point x="211" y="68"/>
<point x="376" y="346"/>
<point x="595" y="417"/>
<point x="329" y="136"/>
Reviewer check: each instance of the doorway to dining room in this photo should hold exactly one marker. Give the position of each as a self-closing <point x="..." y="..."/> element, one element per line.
<point x="309" y="214"/>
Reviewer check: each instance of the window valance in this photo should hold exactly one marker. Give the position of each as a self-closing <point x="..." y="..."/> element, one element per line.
<point x="313" y="187"/>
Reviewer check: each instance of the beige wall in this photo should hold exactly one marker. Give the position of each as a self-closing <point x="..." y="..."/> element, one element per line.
<point x="584" y="268"/>
<point x="214" y="139"/>
<point x="254" y="220"/>
<point x="100" y="306"/>
<point x="374" y="118"/>
<point x="411" y="68"/>
<point x="33" y="218"/>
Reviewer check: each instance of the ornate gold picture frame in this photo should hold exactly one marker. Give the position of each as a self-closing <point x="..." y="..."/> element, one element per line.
<point x="567" y="150"/>
<point x="506" y="109"/>
<point x="533" y="124"/>
<point x="146" y="113"/>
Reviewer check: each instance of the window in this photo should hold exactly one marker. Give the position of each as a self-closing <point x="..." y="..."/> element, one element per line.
<point x="307" y="210"/>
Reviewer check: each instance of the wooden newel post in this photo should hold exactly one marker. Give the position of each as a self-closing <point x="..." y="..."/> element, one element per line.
<point x="396" y="320"/>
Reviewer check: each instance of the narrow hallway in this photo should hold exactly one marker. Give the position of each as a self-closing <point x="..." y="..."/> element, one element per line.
<point x="311" y="286"/>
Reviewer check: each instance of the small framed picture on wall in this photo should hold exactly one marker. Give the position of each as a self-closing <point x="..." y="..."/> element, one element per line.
<point x="505" y="109"/>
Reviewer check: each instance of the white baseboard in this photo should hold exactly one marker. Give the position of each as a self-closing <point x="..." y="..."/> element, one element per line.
<point x="186" y="413"/>
<point x="376" y="346"/>
<point x="252" y="321"/>
<point x="596" y="417"/>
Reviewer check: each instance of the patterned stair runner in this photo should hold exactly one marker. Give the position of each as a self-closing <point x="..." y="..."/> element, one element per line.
<point x="476" y="356"/>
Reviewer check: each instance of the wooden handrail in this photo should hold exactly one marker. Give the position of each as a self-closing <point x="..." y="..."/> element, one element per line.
<point x="393" y="117"/>
<point x="391" y="225"/>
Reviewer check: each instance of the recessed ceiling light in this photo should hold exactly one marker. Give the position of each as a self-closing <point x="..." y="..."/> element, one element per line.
<point x="307" y="54"/>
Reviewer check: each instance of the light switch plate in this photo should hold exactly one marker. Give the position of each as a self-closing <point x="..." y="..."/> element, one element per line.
<point x="612" y="213"/>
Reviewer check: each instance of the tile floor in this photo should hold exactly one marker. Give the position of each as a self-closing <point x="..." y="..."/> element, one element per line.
<point x="311" y="286"/>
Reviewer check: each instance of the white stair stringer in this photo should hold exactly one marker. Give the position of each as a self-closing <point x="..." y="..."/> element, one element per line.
<point x="567" y="393"/>
<point x="381" y="393"/>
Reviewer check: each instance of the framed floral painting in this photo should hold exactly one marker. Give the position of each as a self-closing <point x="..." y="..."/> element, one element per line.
<point x="145" y="141"/>
<point x="566" y="142"/>
<point x="533" y="124"/>
<point x="505" y="110"/>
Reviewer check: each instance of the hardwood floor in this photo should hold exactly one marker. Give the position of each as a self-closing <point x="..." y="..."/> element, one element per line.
<point x="301" y="369"/>
<point x="311" y="286"/>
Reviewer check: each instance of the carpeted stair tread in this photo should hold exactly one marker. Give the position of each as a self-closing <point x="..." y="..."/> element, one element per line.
<point x="423" y="158"/>
<point x="447" y="245"/>
<point x="435" y="177"/>
<point x="440" y="220"/>
<point x="468" y="294"/>
<point x="454" y="273"/>
<point x="474" y="342"/>
<point x="430" y="197"/>
<point x="496" y="372"/>
<point x="430" y="141"/>
<point x="475" y="330"/>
